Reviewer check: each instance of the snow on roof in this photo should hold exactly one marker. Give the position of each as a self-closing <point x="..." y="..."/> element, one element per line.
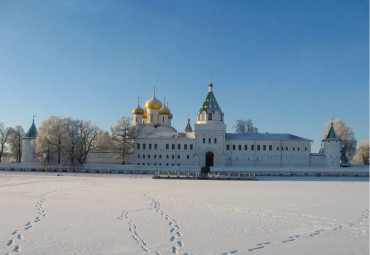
<point x="265" y="136"/>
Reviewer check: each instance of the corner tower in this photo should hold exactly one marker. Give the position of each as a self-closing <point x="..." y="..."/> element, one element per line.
<point x="28" y="145"/>
<point x="210" y="132"/>
<point x="332" y="148"/>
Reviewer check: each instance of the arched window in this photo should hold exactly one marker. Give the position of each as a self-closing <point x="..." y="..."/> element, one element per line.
<point x="209" y="140"/>
<point x="210" y="116"/>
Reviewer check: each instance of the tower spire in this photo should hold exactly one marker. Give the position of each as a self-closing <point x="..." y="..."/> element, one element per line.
<point x="210" y="85"/>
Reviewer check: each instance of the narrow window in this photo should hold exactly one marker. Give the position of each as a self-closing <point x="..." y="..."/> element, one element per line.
<point x="270" y="147"/>
<point x="155" y="156"/>
<point x="258" y="147"/>
<point x="245" y="147"/>
<point x="305" y="148"/>
<point x="187" y="156"/>
<point x="160" y="156"/>
<point x="293" y="148"/>
<point x="233" y="147"/>
<point x="179" y="146"/>
<point x="167" y="146"/>
<point x="167" y="156"/>
<point x="282" y="148"/>
<point x="178" y="156"/>
<point x="204" y="140"/>
<point x="155" y="146"/>
<point x="173" y="156"/>
<point x="163" y="119"/>
<point x="228" y="147"/>
<point x="144" y="146"/>
<point x="173" y="146"/>
<point x="298" y="148"/>
<point x="286" y="148"/>
<point x="150" y="146"/>
<point x="209" y="116"/>
<point x="252" y="148"/>
<point x="138" y="146"/>
<point x="215" y="140"/>
<point x="277" y="148"/>
<point x="143" y="155"/>
<point x="138" y="155"/>
<point x="264" y="147"/>
<point x="209" y="140"/>
<point x="240" y="147"/>
<point x="185" y="146"/>
<point x="191" y="146"/>
<point x="148" y="155"/>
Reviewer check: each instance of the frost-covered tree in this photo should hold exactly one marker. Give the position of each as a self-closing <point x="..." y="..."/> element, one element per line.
<point x="102" y="141"/>
<point x="4" y="135"/>
<point x="51" y="134"/>
<point x="123" y="138"/>
<point x="245" y="126"/>
<point x="64" y="141"/>
<point x="362" y="155"/>
<point x="345" y="134"/>
<point x="15" y="143"/>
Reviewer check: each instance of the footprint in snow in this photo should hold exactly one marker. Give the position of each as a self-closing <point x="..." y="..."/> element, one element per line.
<point x="179" y="233"/>
<point x="172" y="229"/>
<point x="20" y="236"/>
<point x="14" y="232"/>
<point x="172" y="238"/>
<point x="17" y="248"/>
<point x="28" y="227"/>
<point x="10" y="242"/>
<point x="180" y="243"/>
<point x="174" y="250"/>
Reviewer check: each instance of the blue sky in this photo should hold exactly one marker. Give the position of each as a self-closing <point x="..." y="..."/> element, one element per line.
<point x="290" y="66"/>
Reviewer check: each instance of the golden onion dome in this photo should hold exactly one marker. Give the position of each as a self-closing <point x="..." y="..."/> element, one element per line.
<point x="164" y="109"/>
<point x="145" y="114"/>
<point x="170" y="116"/>
<point x="138" y="110"/>
<point x="153" y="103"/>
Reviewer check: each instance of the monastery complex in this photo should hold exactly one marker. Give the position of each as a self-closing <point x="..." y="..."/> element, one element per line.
<point x="208" y="144"/>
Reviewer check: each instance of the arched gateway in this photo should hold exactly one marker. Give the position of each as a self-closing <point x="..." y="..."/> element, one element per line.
<point x="209" y="159"/>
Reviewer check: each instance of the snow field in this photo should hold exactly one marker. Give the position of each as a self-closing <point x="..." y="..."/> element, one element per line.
<point x="117" y="214"/>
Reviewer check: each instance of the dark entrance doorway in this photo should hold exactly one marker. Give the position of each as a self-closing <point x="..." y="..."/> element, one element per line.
<point x="209" y="159"/>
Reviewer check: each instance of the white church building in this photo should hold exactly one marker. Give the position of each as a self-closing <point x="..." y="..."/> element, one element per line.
<point x="208" y="143"/>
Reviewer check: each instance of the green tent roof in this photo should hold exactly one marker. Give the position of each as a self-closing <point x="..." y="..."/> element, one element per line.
<point x="32" y="132"/>
<point x="331" y="134"/>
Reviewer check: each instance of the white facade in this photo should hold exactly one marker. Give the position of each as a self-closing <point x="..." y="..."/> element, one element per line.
<point x="159" y="144"/>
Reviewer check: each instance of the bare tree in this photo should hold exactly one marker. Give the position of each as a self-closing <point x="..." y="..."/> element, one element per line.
<point x="15" y="142"/>
<point x="123" y="138"/>
<point x="346" y="135"/>
<point x="4" y="135"/>
<point x="245" y="126"/>
<point x="87" y="134"/>
<point x="362" y="155"/>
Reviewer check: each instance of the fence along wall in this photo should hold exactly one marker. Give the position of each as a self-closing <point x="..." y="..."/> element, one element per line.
<point x="356" y="171"/>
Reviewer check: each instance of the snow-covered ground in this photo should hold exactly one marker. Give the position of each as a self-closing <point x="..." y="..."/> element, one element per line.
<point x="117" y="214"/>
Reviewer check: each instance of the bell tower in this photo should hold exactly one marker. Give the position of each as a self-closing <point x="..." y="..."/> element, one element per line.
<point x="210" y="132"/>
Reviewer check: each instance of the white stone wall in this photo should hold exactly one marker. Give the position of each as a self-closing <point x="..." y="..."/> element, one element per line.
<point x="267" y="153"/>
<point x="164" y="152"/>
